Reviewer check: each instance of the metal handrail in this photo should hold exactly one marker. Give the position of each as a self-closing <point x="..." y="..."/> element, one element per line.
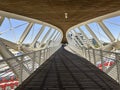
<point x="42" y="55"/>
<point x="95" y="57"/>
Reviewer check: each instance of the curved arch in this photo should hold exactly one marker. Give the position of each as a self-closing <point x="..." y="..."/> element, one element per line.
<point x="98" y="20"/>
<point x="12" y="15"/>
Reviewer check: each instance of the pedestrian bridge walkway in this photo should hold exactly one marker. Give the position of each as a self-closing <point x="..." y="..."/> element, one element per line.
<point x="67" y="71"/>
<point x="29" y="41"/>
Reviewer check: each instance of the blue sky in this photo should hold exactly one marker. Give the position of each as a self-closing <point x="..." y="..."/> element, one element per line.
<point x="113" y="24"/>
<point x="19" y="26"/>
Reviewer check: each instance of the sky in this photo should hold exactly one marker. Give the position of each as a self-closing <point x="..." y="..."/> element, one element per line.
<point x="12" y="29"/>
<point x="113" y="24"/>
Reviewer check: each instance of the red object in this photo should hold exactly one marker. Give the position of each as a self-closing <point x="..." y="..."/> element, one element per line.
<point x="105" y="64"/>
<point x="12" y="82"/>
<point x="108" y="63"/>
<point x="4" y="79"/>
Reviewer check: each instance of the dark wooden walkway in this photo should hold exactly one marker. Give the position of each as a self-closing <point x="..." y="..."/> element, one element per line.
<point x="66" y="71"/>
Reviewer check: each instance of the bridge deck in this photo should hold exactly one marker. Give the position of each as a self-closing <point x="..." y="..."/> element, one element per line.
<point x="66" y="71"/>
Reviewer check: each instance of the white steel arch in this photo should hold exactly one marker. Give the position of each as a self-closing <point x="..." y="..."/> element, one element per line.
<point x="104" y="28"/>
<point x="20" y="46"/>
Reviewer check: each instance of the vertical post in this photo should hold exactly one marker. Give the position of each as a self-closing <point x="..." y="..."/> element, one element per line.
<point x="89" y="55"/>
<point x="39" y="57"/>
<point x="82" y="51"/>
<point x="44" y="54"/>
<point x="52" y="50"/>
<point x="102" y="62"/>
<point x="94" y="58"/>
<point x="85" y="53"/>
<point x="49" y="52"/>
<point x="33" y="64"/>
<point x="21" y="69"/>
<point x="118" y="67"/>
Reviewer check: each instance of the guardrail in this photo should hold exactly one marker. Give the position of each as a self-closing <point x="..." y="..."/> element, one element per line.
<point x="30" y="60"/>
<point x="107" y="61"/>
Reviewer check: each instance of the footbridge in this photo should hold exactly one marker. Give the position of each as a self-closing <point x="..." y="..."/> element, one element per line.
<point x="60" y="45"/>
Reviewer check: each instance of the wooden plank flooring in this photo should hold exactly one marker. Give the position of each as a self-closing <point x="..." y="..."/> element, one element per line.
<point x="66" y="71"/>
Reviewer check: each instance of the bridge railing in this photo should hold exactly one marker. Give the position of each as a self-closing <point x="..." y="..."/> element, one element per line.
<point x="107" y="61"/>
<point x="30" y="60"/>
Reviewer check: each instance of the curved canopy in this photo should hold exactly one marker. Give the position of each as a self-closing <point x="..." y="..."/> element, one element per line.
<point x="61" y="13"/>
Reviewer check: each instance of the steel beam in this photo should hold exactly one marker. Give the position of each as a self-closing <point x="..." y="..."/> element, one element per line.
<point x="75" y="39"/>
<point x="37" y="36"/>
<point x="55" y="35"/>
<point x="46" y="35"/>
<point x="88" y="41"/>
<point x="80" y="38"/>
<point x="73" y="36"/>
<point x="10" y="44"/>
<point x="112" y="45"/>
<point x="50" y="38"/>
<point x="1" y="20"/>
<point x="72" y="41"/>
<point x="53" y="38"/>
<point x="17" y="47"/>
<point x="20" y="17"/>
<point x="80" y="45"/>
<point x="93" y="34"/>
<point x="58" y="38"/>
<point x="25" y="33"/>
<point x="5" y="53"/>
<point x="106" y="30"/>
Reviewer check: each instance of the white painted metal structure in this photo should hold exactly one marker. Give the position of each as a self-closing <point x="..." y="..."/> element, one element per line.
<point x="98" y="20"/>
<point x="100" y="54"/>
<point x="22" y="66"/>
<point x="38" y="51"/>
